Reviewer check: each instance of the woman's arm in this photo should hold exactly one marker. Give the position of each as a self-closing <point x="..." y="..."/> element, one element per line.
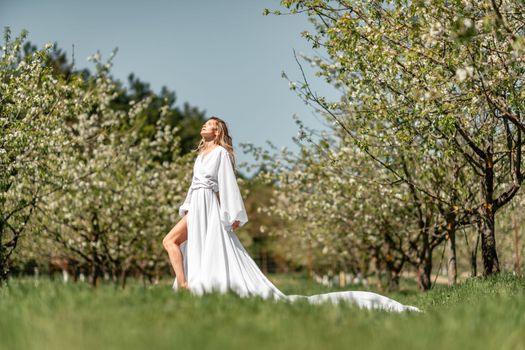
<point x="231" y="204"/>
<point x="185" y="207"/>
<point x="236" y="224"/>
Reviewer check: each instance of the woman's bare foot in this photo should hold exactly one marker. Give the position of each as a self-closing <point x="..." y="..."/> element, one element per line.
<point x="184" y="285"/>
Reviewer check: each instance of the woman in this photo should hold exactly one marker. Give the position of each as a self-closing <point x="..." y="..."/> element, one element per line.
<point x="204" y="251"/>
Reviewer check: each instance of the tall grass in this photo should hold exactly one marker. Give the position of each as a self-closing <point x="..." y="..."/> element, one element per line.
<point x="480" y="313"/>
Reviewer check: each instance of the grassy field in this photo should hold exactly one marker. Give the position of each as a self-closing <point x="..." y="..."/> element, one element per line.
<point x="478" y="314"/>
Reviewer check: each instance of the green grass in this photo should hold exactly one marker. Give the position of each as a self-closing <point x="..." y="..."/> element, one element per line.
<point x="479" y="314"/>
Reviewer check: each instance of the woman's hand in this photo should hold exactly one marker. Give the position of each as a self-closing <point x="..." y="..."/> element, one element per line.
<point x="235" y="224"/>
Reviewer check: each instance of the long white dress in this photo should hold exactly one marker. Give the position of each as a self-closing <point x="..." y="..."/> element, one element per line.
<point x="214" y="258"/>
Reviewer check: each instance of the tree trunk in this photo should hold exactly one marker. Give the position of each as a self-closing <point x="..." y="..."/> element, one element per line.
<point x="264" y="263"/>
<point x="3" y="268"/>
<point x="474" y="254"/>
<point x="378" y="270"/>
<point x="94" y="274"/>
<point x="424" y="271"/>
<point x="96" y="270"/>
<point x="517" y="258"/>
<point x="488" y="241"/>
<point x="451" y="249"/>
<point x="487" y="214"/>
<point x="123" y="278"/>
<point x="393" y="280"/>
<point x="3" y="260"/>
<point x="425" y="266"/>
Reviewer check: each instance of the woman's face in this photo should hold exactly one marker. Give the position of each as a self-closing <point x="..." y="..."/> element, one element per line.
<point x="209" y="129"/>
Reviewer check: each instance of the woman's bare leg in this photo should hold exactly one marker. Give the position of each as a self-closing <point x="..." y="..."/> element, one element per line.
<point x="172" y="242"/>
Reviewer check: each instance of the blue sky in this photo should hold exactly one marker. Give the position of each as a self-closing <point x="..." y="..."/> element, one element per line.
<point x="224" y="57"/>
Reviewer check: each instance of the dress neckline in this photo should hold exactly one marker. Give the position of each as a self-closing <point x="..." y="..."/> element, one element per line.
<point x="202" y="156"/>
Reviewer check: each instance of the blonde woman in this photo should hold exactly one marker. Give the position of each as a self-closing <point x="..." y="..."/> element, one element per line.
<point x="203" y="249"/>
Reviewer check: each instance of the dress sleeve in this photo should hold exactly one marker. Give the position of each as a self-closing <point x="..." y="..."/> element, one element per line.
<point x="230" y="200"/>
<point x="186" y="205"/>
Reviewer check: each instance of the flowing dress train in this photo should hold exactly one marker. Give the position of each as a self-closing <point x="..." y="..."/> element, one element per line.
<point x="214" y="258"/>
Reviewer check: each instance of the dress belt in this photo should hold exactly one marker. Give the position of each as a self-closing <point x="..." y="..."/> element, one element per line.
<point x="211" y="187"/>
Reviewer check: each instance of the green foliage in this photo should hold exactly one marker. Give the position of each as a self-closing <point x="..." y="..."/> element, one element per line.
<point x="85" y="161"/>
<point x="428" y="93"/>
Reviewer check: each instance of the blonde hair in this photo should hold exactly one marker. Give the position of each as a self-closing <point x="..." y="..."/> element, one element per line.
<point x="223" y="139"/>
